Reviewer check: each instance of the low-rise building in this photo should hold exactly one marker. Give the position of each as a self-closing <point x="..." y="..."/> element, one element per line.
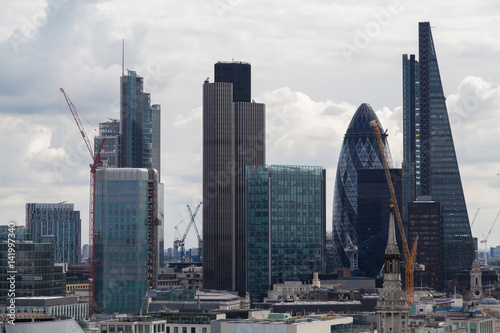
<point x="316" y="324"/>
<point x="56" y="306"/>
<point x="133" y="324"/>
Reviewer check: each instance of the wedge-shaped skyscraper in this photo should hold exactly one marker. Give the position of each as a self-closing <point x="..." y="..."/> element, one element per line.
<point x="430" y="163"/>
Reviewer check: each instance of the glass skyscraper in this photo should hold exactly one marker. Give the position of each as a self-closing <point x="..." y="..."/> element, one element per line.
<point x="233" y="138"/>
<point x="63" y="222"/>
<point x="430" y="162"/>
<point x="35" y="272"/>
<point x="140" y="125"/>
<point x="359" y="151"/>
<point x="286" y="224"/>
<point x="110" y="152"/>
<point x="125" y="200"/>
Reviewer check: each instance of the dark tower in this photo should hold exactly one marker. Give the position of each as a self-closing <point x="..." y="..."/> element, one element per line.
<point x="233" y="138"/>
<point x="237" y="73"/>
<point x="430" y="163"/>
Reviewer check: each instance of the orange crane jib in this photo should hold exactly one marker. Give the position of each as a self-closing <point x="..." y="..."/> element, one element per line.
<point x="409" y="255"/>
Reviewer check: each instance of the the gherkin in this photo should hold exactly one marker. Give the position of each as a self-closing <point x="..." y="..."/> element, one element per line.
<point x="359" y="151"/>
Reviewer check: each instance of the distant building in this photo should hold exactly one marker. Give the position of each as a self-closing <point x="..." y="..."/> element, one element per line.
<point x="139" y="324"/>
<point x="61" y="221"/>
<point x="56" y="306"/>
<point x="128" y="206"/>
<point x="185" y="299"/>
<point x="425" y="220"/>
<point x="187" y="278"/>
<point x="110" y="152"/>
<point x="374" y="207"/>
<point x="34" y="263"/>
<point x="286" y="228"/>
<point x="140" y="125"/>
<point x="285" y="324"/>
<point x="233" y="138"/>
<point x="359" y="150"/>
<point x="429" y="159"/>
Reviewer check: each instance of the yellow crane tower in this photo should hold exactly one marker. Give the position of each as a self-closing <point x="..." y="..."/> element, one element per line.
<point x="409" y="256"/>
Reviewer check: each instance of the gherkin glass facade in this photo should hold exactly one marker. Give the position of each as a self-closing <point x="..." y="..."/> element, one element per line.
<point x="359" y="151"/>
<point x="431" y="152"/>
<point x="286" y="226"/>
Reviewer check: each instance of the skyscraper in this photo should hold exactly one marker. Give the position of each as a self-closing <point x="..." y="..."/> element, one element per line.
<point x="430" y="163"/>
<point x="127" y="200"/>
<point x="61" y="221"/>
<point x="110" y="152"/>
<point x="373" y="217"/>
<point x="425" y="221"/>
<point x="233" y="138"/>
<point x="140" y="125"/>
<point x="359" y="150"/>
<point x="286" y="224"/>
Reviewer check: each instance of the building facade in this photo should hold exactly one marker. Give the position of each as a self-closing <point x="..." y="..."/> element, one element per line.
<point x="286" y="207"/>
<point x="430" y="161"/>
<point x="36" y="274"/>
<point x="125" y="203"/>
<point x="373" y="217"/>
<point x="140" y="125"/>
<point x="110" y="151"/>
<point x="392" y="309"/>
<point x="233" y="137"/>
<point x="359" y="151"/>
<point x="61" y="221"/>
<point x="425" y="221"/>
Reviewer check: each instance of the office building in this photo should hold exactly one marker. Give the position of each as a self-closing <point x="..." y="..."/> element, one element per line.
<point x="61" y="221"/>
<point x="36" y="274"/>
<point x="110" y="151"/>
<point x="392" y="309"/>
<point x="425" y="221"/>
<point x="140" y="124"/>
<point x="233" y="138"/>
<point x="374" y="209"/>
<point x="286" y="224"/>
<point x="129" y="236"/>
<point x="430" y="163"/>
<point x="359" y="150"/>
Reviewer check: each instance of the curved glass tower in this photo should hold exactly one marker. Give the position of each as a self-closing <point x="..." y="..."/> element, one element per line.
<point x="359" y="151"/>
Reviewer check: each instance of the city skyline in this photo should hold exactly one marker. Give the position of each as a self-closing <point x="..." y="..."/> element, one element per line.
<point x="311" y="91"/>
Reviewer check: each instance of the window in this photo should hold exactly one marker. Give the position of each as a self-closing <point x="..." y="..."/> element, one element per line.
<point x="104" y="328"/>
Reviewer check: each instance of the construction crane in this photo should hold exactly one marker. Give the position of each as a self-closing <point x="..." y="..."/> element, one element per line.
<point x="180" y="241"/>
<point x="97" y="162"/>
<point x="485" y="240"/>
<point x="409" y="256"/>
<point x="474" y="219"/>
<point x="352" y="252"/>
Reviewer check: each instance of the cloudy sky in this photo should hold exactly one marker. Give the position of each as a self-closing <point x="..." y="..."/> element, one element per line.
<point x="313" y="63"/>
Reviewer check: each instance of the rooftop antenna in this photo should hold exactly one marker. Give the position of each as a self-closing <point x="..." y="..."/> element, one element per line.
<point x="123" y="57"/>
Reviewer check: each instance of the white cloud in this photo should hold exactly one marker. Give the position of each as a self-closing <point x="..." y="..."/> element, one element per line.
<point x="293" y="44"/>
